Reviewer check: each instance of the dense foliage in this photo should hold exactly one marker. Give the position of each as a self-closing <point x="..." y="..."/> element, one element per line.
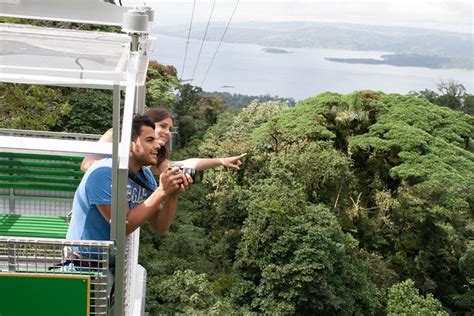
<point x="31" y="107"/>
<point x="237" y="100"/>
<point x="404" y="299"/>
<point x="451" y="94"/>
<point x="339" y="199"/>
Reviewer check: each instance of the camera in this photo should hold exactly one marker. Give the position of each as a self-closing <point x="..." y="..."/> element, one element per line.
<point x="190" y="171"/>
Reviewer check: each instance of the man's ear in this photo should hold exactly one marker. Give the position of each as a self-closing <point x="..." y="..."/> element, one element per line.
<point x="133" y="145"/>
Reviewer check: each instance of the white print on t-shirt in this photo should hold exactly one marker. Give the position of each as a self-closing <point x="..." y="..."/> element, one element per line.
<point x="136" y="195"/>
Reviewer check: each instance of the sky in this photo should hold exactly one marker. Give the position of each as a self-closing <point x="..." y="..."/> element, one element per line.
<point x="450" y="15"/>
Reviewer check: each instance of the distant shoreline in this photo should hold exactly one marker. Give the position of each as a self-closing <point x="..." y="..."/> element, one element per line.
<point x="406" y="60"/>
<point x="275" y="50"/>
<point x="436" y="49"/>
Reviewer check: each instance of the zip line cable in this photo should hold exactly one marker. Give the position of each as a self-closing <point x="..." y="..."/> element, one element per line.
<point x="204" y="38"/>
<point x="187" y="42"/>
<point x="220" y="42"/>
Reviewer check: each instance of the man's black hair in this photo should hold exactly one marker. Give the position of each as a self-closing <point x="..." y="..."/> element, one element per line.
<point x="139" y="121"/>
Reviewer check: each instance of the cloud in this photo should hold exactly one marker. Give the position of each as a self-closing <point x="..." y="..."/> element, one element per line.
<point x="440" y="14"/>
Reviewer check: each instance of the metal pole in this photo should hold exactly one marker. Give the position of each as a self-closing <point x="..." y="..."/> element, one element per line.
<point x="119" y="188"/>
<point x="117" y="225"/>
<point x="115" y="146"/>
<point x="141" y="99"/>
<point x="134" y="42"/>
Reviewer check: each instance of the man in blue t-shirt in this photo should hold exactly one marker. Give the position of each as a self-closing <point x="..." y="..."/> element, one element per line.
<point x="91" y="210"/>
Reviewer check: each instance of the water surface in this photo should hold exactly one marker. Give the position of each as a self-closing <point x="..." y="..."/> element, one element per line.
<point x="248" y="69"/>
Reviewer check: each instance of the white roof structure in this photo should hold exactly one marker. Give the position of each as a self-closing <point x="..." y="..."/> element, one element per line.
<point x="83" y="11"/>
<point x="38" y="55"/>
<point x="65" y="57"/>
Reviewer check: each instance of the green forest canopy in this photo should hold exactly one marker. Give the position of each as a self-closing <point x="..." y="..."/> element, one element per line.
<point x="339" y="199"/>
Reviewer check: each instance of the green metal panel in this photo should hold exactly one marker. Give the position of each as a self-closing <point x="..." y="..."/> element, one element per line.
<point x="43" y="294"/>
<point x="40" y="156"/>
<point x="42" y="172"/>
<point x="38" y="186"/>
<point x="33" y="226"/>
<point x="39" y="172"/>
<point x="17" y="178"/>
<point x="41" y="164"/>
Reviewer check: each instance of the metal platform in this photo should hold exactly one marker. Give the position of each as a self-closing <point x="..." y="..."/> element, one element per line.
<point x="75" y="58"/>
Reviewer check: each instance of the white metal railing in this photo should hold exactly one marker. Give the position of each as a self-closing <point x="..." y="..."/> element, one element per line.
<point x="39" y="254"/>
<point x="47" y="256"/>
<point x="128" y="56"/>
<point x="134" y="276"/>
<point x="45" y="134"/>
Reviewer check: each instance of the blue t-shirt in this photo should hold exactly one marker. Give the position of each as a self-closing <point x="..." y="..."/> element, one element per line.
<point x="87" y="222"/>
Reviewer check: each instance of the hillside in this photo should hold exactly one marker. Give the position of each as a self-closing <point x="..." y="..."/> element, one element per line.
<point x="454" y="48"/>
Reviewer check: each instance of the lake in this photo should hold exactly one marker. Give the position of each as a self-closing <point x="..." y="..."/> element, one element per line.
<point x="248" y="69"/>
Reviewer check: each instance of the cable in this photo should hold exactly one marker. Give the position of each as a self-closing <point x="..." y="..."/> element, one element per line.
<point x="220" y="42"/>
<point x="187" y="42"/>
<point x="204" y="38"/>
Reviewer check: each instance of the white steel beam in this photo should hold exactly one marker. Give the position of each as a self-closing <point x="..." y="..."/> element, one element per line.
<point x="54" y="146"/>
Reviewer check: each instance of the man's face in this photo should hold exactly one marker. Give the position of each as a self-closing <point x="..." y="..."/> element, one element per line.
<point x="145" y="148"/>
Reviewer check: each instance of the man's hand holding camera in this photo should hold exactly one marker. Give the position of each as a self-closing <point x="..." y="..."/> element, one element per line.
<point x="174" y="181"/>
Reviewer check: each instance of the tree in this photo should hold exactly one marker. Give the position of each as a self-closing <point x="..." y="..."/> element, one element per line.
<point x="186" y="292"/>
<point x="278" y="271"/>
<point x="466" y="264"/>
<point x="31" y="107"/>
<point x="237" y="100"/>
<point x="91" y="111"/>
<point x="451" y="88"/>
<point x="452" y="95"/>
<point x="303" y="263"/>
<point x="430" y="95"/>
<point x="162" y="83"/>
<point x="417" y="154"/>
<point x="468" y="107"/>
<point x="404" y="299"/>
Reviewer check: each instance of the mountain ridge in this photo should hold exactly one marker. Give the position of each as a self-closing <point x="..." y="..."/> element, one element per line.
<point x="455" y="48"/>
